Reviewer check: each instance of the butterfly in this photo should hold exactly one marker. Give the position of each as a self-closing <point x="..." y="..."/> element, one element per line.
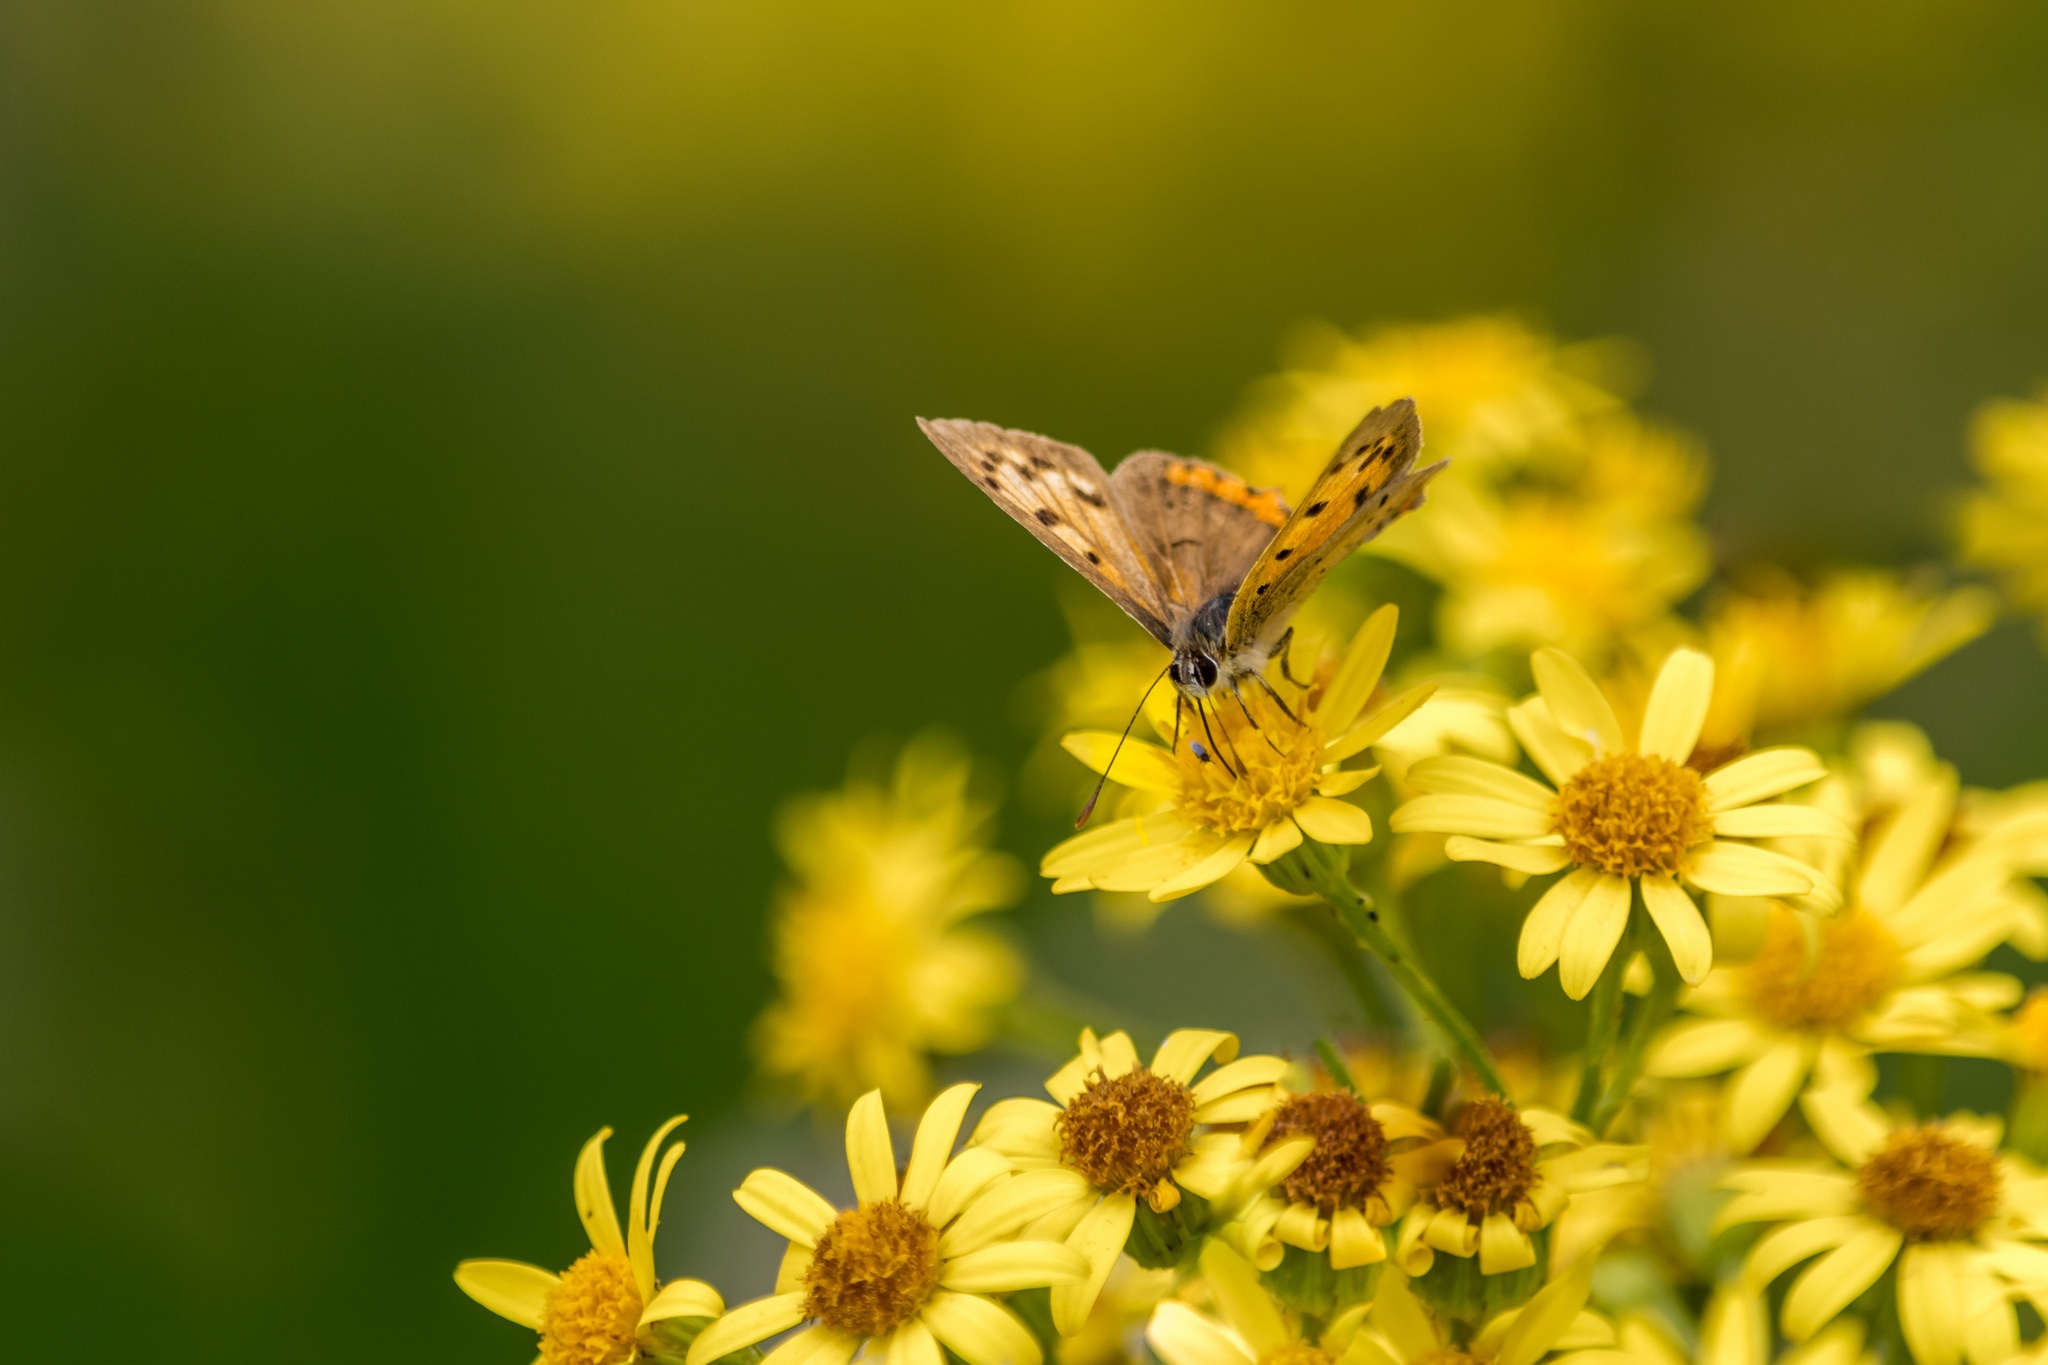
<point x="1211" y="567"/>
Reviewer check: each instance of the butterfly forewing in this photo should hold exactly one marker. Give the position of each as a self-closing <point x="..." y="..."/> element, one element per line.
<point x="1371" y="481"/>
<point x="1197" y="527"/>
<point x="1060" y="494"/>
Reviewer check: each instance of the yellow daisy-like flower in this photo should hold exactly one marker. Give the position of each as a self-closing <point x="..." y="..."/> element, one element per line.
<point x="911" y="1267"/>
<point x="1790" y="657"/>
<point x="1511" y="1173"/>
<point x="1247" y="1327"/>
<point x="599" y="1310"/>
<point x="2005" y="525"/>
<point x="1400" y="1330"/>
<point x="1622" y="816"/>
<point x="1272" y="780"/>
<point x="1960" y="1220"/>
<point x="1890" y="973"/>
<point x="876" y="969"/>
<point x="1363" y="1174"/>
<point x="1118" y="1132"/>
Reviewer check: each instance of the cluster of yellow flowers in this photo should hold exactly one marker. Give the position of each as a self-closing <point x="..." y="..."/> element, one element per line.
<point x="1789" y="934"/>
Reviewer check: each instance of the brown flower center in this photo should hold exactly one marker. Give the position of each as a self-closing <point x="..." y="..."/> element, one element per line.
<point x="1497" y="1169"/>
<point x="1929" y="1185"/>
<point x="1126" y="1134"/>
<point x="1275" y="768"/>
<point x="1856" y="967"/>
<point x="592" y="1315"/>
<point x="873" y="1269"/>
<point x="1629" y="814"/>
<point x="1350" y="1157"/>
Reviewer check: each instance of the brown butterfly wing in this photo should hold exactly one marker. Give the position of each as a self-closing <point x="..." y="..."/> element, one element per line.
<point x="1370" y="482"/>
<point x="1060" y="494"/>
<point x="1197" y="527"/>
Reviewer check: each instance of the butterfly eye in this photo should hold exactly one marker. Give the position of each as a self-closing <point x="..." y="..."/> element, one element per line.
<point x="1205" y="670"/>
<point x="1173" y="672"/>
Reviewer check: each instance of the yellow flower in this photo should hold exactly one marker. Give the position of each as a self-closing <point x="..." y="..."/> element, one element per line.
<point x="1577" y="564"/>
<point x="1939" y="1201"/>
<point x="911" y="1267"/>
<point x="1512" y="1172"/>
<point x="1890" y="973"/>
<point x="1361" y="1176"/>
<point x="1118" y="1132"/>
<point x="1790" y="657"/>
<point x="1114" y="1331"/>
<point x="1400" y="1330"/>
<point x="599" y="1310"/>
<point x="1253" y="1329"/>
<point x="1621" y="816"/>
<point x="1497" y="395"/>
<point x="2005" y="526"/>
<point x="875" y="969"/>
<point x="1256" y="795"/>
<point x="1685" y="1155"/>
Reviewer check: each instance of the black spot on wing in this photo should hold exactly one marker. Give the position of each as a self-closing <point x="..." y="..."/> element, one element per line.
<point x="1047" y="517"/>
<point x="1313" y="508"/>
<point x="1282" y="554"/>
<point x="1093" y="558"/>
<point x="1090" y="496"/>
<point x="1262" y="589"/>
<point x="1358" y="499"/>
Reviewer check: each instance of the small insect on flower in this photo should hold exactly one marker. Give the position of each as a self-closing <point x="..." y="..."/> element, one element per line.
<point x="1211" y="568"/>
<point x="1626" y="818"/>
<point x="1275" y="778"/>
<point x="601" y="1310"/>
<point x="912" y="1266"/>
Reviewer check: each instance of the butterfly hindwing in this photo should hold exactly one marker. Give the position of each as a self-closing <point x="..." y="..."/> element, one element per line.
<point x="1369" y="482"/>
<point x="1060" y="494"/>
<point x="1197" y="527"/>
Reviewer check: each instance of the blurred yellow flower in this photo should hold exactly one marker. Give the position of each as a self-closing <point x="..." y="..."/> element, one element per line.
<point x="1890" y="973"/>
<point x="912" y="1267"/>
<point x="1578" y="562"/>
<point x="1248" y="1326"/>
<point x="1622" y="816"/>
<point x="1273" y="779"/>
<point x="1790" y="657"/>
<point x="874" y="968"/>
<point x="600" y="1310"/>
<point x="1118" y="1132"/>
<point x="2004" y="527"/>
<point x="1938" y="1200"/>
<point x="1400" y="1330"/>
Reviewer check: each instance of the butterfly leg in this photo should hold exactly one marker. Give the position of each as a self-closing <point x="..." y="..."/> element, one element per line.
<point x="1178" y="702"/>
<point x="1286" y="662"/>
<point x="1260" y="679"/>
<point x="1202" y="711"/>
<point x="1252" y="720"/>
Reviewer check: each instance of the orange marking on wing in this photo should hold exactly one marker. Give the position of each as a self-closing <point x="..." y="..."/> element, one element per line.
<point x="1263" y="503"/>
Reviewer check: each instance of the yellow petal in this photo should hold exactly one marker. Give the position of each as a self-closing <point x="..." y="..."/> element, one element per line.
<point x="1705" y="1047"/>
<point x="1777" y="820"/>
<point x="1778" y="1250"/>
<point x="1181" y="1336"/>
<point x="1457" y="775"/>
<point x="594" y="1198"/>
<point x="1532" y="860"/>
<point x="1241" y="1300"/>
<point x="1836" y="1279"/>
<point x="683" y="1299"/>
<point x="1119" y="1055"/>
<point x="1590" y="937"/>
<point x="1503" y="1246"/>
<point x="1558" y="754"/>
<point x="1848" y="1124"/>
<point x="965" y="1178"/>
<point x="1209" y="870"/>
<point x="1543" y="931"/>
<point x="1345" y="782"/>
<point x="1141" y="766"/>
<point x="1009" y="1266"/>
<point x="1762" y="1091"/>
<point x="1745" y="870"/>
<point x="913" y="1344"/>
<point x="1678" y="920"/>
<point x="1185" y="1050"/>
<point x="1761" y="775"/>
<point x="1930" y="1295"/>
<point x="1575" y="700"/>
<point x="1242" y="1074"/>
<point x="1111" y="844"/>
<point x="1677" y="706"/>
<point x="1275" y="840"/>
<point x="1098" y="1239"/>
<point x="747" y="1325"/>
<point x="639" y="1228"/>
<point x="819" y="1345"/>
<point x="1329" y="821"/>
<point x="1353" y="1241"/>
<point x="936" y="1133"/>
<point x="785" y="1205"/>
<point x="1359" y="672"/>
<point x="1896" y="860"/>
<point x="980" y="1331"/>
<point x="1480" y="816"/>
<point x="1402" y="1319"/>
<point x="1546" y="1318"/>
<point x="1010" y="1205"/>
<point x="511" y="1289"/>
<point x="869" y="1155"/>
<point x="1379" y="724"/>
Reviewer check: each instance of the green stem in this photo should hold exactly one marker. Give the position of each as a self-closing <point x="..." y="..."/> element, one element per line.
<point x="1603" y="1026"/>
<point x="1323" y="872"/>
<point x="1356" y="970"/>
<point x="1333" y="1062"/>
<point x="1650" y="1016"/>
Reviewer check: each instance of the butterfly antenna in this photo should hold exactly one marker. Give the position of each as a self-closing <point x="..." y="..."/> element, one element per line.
<point x="1110" y="766"/>
<point x="1203" y="712"/>
<point x="1178" y="702"/>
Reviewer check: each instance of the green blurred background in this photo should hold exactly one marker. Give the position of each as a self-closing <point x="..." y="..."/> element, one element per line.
<point x="458" y="475"/>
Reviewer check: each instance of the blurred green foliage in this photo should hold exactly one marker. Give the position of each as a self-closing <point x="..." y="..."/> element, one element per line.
<point x="456" y="474"/>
